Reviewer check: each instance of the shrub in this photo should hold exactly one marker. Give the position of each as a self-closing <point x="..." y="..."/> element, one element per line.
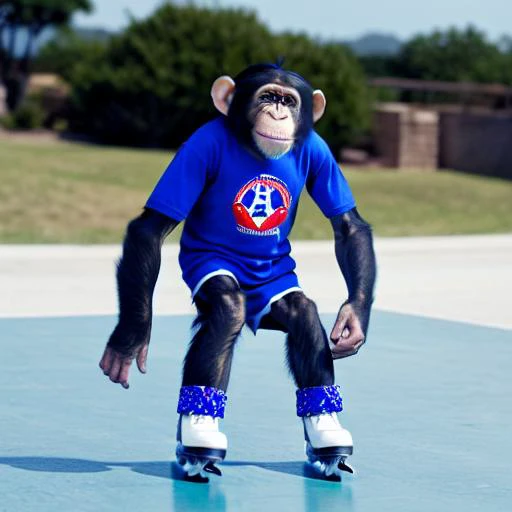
<point x="334" y="69"/>
<point x="452" y="55"/>
<point x="152" y="85"/>
<point x="28" y="116"/>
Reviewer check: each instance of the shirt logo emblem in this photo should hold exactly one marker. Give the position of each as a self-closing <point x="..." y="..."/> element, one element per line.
<point x="261" y="206"/>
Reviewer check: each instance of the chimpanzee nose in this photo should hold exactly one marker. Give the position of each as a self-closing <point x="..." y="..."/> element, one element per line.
<point x="277" y="112"/>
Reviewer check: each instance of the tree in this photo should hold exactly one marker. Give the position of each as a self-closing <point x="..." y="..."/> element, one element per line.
<point x="31" y="16"/>
<point x="334" y="69"/>
<point x="152" y="85"/>
<point x="453" y="55"/>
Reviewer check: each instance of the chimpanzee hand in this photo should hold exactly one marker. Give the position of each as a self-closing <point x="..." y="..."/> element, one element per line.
<point x="349" y="331"/>
<point x="123" y="347"/>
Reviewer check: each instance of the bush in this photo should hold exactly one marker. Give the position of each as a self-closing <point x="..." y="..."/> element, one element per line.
<point x="454" y="56"/>
<point x="333" y="69"/>
<point x="152" y="85"/>
<point x="28" y="116"/>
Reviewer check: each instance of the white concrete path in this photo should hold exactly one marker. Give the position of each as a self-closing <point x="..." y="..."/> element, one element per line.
<point x="456" y="278"/>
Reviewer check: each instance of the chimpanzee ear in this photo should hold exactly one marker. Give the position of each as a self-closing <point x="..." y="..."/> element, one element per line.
<point x="319" y="103"/>
<point x="222" y="93"/>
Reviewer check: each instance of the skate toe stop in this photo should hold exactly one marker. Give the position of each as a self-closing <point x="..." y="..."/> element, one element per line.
<point x="343" y="466"/>
<point x="210" y="467"/>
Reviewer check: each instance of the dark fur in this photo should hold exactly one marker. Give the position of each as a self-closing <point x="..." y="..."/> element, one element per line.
<point x="249" y="81"/>
<point x="308" y="352"/>
<point x="221" y="305"/>
<point x="221" y="316"/>
<point x="137" y="272"/>
<point x="220" y="302"/>
<point x="356" y="259"/>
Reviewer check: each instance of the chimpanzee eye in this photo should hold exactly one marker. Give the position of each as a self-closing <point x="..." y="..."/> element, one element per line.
<point x="267" y="97"/>
<point x="286" y="100"/>
<point x="289" y="101"/>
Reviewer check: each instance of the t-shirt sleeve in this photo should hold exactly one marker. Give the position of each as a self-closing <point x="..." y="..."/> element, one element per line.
<point x="184" y="179"/>
<point x="326" y="183"/>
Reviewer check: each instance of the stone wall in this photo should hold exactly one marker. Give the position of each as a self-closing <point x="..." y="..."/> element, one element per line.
<point x="476" y="143"/>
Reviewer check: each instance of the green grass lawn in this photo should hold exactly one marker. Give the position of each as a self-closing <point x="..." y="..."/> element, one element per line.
<point x="72" y="193"/>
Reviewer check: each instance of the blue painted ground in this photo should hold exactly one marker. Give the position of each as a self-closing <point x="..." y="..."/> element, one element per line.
<point x="428" y="403"/>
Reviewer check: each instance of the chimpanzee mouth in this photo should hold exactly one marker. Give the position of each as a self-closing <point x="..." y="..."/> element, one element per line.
<point x="274" y="137"/>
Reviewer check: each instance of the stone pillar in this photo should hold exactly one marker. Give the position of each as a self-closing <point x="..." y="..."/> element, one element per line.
<point x="407" y="137"/>
<point x="3" y="107"/>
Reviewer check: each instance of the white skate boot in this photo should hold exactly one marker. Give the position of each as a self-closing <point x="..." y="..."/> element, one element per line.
<point x="328" y="444"/>
<point x="200" y="443"/>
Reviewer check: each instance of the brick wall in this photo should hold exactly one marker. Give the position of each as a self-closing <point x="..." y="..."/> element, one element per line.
<point x="476" y="143"/>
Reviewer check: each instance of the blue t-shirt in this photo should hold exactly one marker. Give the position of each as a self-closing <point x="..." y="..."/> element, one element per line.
<point x="241" y="208"/>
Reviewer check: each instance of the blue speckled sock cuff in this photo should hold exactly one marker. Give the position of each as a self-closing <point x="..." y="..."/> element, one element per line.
<point x="319" y="400"/>
<point x="202" y="400"/>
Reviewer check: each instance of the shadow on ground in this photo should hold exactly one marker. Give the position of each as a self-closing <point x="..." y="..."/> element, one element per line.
<point x="162" y="469"/>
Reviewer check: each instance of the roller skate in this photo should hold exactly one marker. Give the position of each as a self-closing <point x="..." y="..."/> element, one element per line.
<point x="328" y="444"/>
<point x="200" y="443"/>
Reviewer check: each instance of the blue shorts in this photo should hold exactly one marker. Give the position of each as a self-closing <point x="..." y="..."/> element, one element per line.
<point x="259" y="294"/>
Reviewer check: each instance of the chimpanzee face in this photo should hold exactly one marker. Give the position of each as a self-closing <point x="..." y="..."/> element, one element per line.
<point x="269" y="109"/>
<point x="275" y="115"/>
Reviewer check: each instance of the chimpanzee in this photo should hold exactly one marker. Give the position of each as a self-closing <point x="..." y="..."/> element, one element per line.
<point x="236" y="182"/>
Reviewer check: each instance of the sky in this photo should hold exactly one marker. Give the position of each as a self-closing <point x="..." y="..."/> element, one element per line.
<point x="337" y="19"/>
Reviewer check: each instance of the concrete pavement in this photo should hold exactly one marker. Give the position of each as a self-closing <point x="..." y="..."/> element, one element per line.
<point x="464" y="278"/>
<point x="426" y="400"/>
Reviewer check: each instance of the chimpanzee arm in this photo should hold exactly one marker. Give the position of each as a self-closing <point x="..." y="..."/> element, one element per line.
<point x="356" y="258"/>
<point x="137" y="273"/>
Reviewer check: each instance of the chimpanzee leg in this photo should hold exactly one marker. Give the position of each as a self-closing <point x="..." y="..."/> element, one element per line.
<point x="308" y="352"/>
<point x="328" y="444"/>
<point x="221" y="316"/>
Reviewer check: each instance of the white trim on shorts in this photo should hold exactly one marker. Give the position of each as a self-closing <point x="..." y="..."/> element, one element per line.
<point x="275" y="298"/>
<point x="220" y="272"/>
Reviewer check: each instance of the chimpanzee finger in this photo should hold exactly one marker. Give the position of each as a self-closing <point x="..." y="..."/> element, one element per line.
<point x="142" y="357"/>
<point x="339" y="327"/>
<point x="353" y="340"/>
<point x="346" y="345"/>
<point x="344" y="349"/>
<point x="342" y="355"/>
<point x="115" y="368"/>
<point x="124" y="373"/>
<point x="106" y="360"/>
